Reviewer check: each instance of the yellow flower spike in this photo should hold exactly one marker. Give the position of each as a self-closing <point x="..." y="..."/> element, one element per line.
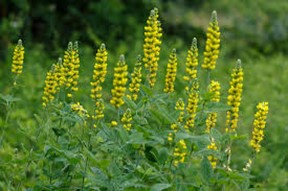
<point x="191" y="64"/>
<point x="171" y="72"/>
<point x="211" y="158"/>
<point x="180" y="106"/>
<point x="59" y="72"/>
<point x="259" y="124"/>
<point x="99" y="111"/>
<point x="99" y="75"/>
<point x="18" y="59"/>
<point x="192" y="105"/>
<point x="212" y="46"/>
<point x="180" y="153"/>
<point x="134" y="87"/>
<point x="151" y="47"/>
<point x="126" y="120"/>
<point x="234" y="97"/>
<point x="214" y="90"/>
<point x="50" y="88"/>
<point x="71" y="64"/>
<point x="119" y="82"/>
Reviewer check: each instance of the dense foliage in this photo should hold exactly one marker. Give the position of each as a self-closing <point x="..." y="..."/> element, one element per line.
<point x="182" y="135"/>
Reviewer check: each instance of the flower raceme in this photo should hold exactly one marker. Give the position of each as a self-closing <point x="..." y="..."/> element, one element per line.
<point x="212" y="46"/>
<point x="211" y="158"/>
<point x="71" y="64"/>
<point x="180" y="152"/>
<point x="191" y="64"/>
<point x="126" y="120"/>
<point x="151" y="47"/>
<point x="234" y="96"/>
<point x="192" y="105"/>
<point x="259" y="125"/>
<point x="18" y="59"/>
<point x="171" y="72"/>
<point x="99" y="74"/>
<point x="134" y="86"/>
<point x="214" y="90"/>
<point x="119" y="82"/>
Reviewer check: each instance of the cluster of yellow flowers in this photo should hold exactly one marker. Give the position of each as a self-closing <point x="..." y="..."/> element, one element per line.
<point x="119" y="82"/>
<point x="134" y="86"/>
<point x="55" y="79"/>
<point x="212" y="44"/>
<point x="49" y="89"/>
<point x="18" y="58"/>
<point x="259" y="125"/>
<point x="171" y="72"/>
<point x="191" y="64"/>
<point x="71" y="64"/>
<point x="211" y="158"/>
<point x="214" y="90"/>
<point x="192" y="105"/>
<point x="79" y="109"/>
<point x="152" y="42"/>
<point x="126" y="120"/>
<point x="180" y="106"/>
<point x="180" y="152"/>
<point x="234" y="97"/>
<point x="99" y="74"/>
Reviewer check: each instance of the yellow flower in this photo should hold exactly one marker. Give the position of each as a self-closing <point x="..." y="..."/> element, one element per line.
<point x="211" y="158"/>
<point x="119" y="82"/>
<point x="180" y="152"/>
<point x="59" y="72"/>
<point x="192" y="105"/>
<point x="259" y="125"/>
<point x="114" y="123"/>
<point x="99" y="111"/>
<point x="171" y="72"/>
<point x="126" y="120"/>
<point x="50" y="88"/>
<point x="18" y="58"/>
<point x="99" y="74"/>
<point x="234" y="96"/>
<point x="180" y="106"/>
<point x="151" y="47"/>
<point x="214" y="90"/>
<point x="212" y="47"/>
<point x="79" y="109"/>
<point x="71" y="65"/>
<point x="191" y="64"/>
<point x="134" y="86"/>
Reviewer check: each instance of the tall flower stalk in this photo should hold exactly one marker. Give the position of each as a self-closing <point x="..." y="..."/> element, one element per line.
<point x="17" y="60"/>
<point x="214" y="90"/>
<point x="234" y="97"/>
<point x="119" y="82"/>
<point x="151" y="47"/>
<point x="259" y="126"/>
<point x="192" y="105"/>
<point x="99" y="74"/>
<point x="212" y="46"/>
<point x="171" y="72"/>
<point x="134" y="86"/>
<point x="191" y="64"/>
<point x="71" y="64"/>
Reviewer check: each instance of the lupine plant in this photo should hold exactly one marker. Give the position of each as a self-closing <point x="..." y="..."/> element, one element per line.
<point x="134" y="137"/>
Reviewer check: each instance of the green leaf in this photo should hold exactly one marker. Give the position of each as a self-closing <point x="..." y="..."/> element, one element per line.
<point x="206" y="170"/>
<point x="160" y="186"/>
<point x="131" y="104"/>
<point x="163" y="154"/>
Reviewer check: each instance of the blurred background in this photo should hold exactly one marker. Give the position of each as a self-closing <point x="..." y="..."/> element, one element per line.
<point x="254" y="31"/>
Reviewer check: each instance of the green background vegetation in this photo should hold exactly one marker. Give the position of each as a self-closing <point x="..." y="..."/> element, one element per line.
<point x="254" y="31"/>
